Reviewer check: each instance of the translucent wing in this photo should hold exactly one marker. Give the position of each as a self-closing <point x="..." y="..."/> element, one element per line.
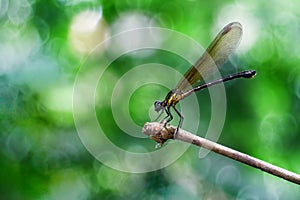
<point x="214" y="57"/>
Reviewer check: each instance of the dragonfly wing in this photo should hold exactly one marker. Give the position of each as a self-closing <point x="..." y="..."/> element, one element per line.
<point x="214" y="57"/>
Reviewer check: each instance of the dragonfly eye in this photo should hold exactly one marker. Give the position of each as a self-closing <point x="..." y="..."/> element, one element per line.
<point x="158" y="106"/>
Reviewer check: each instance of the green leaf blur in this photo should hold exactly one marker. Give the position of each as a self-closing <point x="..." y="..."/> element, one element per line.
<point x="44" y="44"/>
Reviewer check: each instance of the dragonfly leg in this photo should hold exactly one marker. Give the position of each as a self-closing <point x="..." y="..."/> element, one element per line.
<point x="169" y="116"/>
<point x="180" y="121"/>
<point x="162" y="111"/>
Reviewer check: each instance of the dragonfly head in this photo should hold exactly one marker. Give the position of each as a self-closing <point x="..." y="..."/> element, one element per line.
<point x="158" y="106"/>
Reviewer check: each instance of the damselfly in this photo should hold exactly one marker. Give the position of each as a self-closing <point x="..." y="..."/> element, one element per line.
<point x="213" y="58"/>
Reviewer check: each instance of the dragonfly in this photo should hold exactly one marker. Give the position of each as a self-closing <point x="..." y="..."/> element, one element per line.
<point x="213" y="58"/>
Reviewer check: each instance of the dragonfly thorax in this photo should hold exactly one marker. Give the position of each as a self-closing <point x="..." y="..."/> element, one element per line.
<point x="173" y="97"/>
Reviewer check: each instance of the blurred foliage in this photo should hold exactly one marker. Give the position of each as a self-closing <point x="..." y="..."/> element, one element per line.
<point x="44" y="43"/>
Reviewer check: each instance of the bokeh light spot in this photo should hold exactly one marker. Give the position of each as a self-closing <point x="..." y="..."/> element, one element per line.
<point x="60" y="99"/>
<point x="17" y="145"/>
<point x="19" y="11"/>
<point x="131" y="21"/>
<point x="3" y="7"/>
<point x="68" y="184"/>
<point x="87" y="30"/>
<point x="242" y="13"/>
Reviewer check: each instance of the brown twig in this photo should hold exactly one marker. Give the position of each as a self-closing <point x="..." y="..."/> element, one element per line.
<point x="160" y="134"/>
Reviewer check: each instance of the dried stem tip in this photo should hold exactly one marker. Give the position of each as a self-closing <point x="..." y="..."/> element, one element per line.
<point x="158" y="132"/>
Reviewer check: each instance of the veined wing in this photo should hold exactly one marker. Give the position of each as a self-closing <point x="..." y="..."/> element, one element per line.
<point x="214" y="57"/>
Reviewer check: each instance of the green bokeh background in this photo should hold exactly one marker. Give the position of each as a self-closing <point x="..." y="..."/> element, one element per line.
<point x="42" y="156"/>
